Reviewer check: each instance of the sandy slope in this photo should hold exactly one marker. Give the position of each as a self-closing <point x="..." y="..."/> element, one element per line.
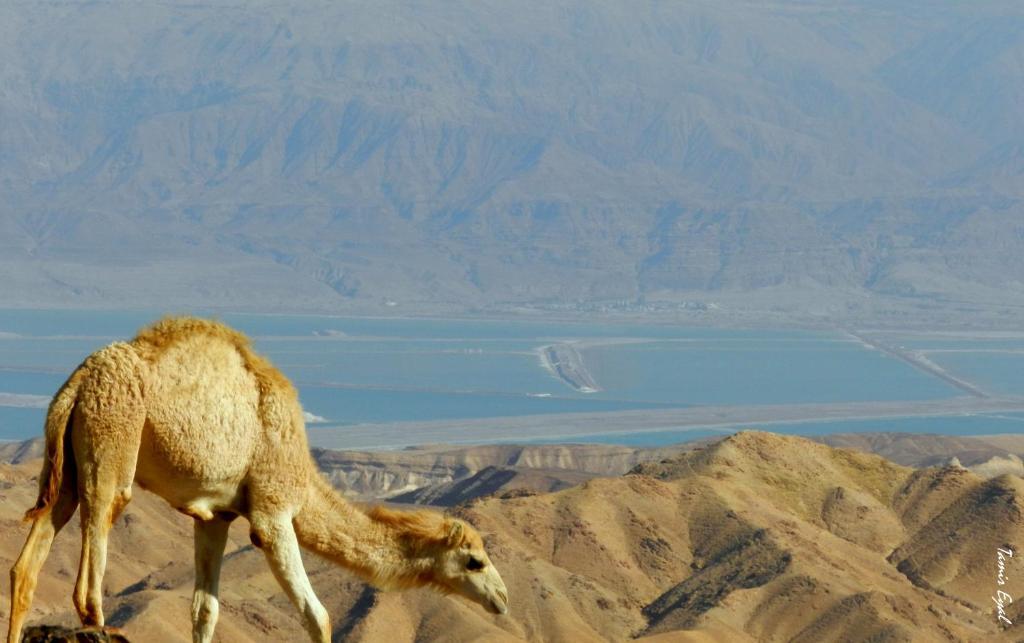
<point x="759" y="537"/>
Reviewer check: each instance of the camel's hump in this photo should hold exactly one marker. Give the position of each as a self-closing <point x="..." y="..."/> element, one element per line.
<point x="158" y="337"/>
<point x="169" y="330"/>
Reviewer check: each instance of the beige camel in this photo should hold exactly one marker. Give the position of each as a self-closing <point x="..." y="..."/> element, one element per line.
<point x="188" y="411"/>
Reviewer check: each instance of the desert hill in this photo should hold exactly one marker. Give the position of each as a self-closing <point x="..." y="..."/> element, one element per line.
<point x="16" y="452"/>
<point x="449" y="475"/>
<point x="755" y="537"/>
<point x="412" y="473"/>
<point x="925" y="450"/>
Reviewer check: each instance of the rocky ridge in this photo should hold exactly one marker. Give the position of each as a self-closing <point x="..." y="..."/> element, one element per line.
<point x="758" y="537"/>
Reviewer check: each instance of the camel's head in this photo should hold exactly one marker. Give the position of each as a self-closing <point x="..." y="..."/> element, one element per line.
<point x="462" y="566"/>
<point x="449" y="556"/>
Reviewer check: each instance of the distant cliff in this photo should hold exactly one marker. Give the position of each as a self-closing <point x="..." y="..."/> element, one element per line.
<point x="420" y="471"/>
<point x="795" y="158"/>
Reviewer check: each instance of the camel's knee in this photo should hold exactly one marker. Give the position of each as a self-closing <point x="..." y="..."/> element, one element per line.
<point x="24" y="573"/>
<point x="205" y="609"/>
<point x="20" y="590"/>
<point x="18" y="572"/>
<point x="23" y="581"/>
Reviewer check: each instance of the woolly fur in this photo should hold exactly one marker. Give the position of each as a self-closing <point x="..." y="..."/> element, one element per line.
<point x="190" y="411"/>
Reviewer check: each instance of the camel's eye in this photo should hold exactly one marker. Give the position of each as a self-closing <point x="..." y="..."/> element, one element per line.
<point x="474" y="564"/>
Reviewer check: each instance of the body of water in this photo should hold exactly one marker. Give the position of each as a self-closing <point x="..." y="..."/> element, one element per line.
<point x="366" y="370"/>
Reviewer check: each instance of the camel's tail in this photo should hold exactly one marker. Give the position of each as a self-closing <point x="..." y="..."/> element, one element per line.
<point x="58" y="418"/>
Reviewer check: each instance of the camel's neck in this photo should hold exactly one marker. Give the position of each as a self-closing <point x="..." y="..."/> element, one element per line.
<point x="341" y="532"/>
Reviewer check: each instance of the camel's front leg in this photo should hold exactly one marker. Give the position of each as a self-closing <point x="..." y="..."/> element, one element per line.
<point x="210" y="538"/>
<point x="276" y="537"/>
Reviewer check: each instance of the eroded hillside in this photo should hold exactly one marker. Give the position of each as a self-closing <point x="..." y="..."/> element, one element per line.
<point x="758" y="537"/>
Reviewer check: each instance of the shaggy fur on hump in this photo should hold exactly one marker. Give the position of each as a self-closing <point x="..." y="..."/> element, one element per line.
<point x="159" y="336"/>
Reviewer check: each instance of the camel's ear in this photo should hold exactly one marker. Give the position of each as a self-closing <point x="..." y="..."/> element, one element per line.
<point x="455" y="533"/>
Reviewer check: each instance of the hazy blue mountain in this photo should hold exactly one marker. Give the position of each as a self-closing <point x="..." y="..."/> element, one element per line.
<point x="483" y="154"/>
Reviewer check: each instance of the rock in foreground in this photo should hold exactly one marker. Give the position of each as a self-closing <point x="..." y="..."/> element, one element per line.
<point x="58" y="634"/>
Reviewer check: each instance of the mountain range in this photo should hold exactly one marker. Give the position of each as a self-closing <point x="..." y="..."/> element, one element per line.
<point x="756" y="537"/>
<point x="804" y="158"/>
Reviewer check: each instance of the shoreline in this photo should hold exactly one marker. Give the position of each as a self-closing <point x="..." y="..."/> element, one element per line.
<point x="566" y="427"/>
<point x="581" y="428"/>
<point x="917" y="359"/>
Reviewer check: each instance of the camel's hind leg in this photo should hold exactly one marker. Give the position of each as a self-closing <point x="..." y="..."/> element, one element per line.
<point x="25" y="572"/>
<point x="106" y="450"/>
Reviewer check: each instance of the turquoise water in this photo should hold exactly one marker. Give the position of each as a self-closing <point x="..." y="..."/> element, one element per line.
<point x="31" y="382"/>
<point x="998" y="373"/>
<point x="994" y="363"/>
<point x="359" y="370"/>
<point x="350" y="406"/>
<point x="398" y="365"/>
<point x="44" y="323"/>
<point x="816" y="368"/>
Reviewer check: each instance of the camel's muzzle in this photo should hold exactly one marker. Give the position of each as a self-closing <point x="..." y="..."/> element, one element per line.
<point x="499" y="603"/>
<point x="497" y="594"/>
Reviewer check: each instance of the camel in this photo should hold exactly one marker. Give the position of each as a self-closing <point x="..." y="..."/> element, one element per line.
<point x="188" y="410"/>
